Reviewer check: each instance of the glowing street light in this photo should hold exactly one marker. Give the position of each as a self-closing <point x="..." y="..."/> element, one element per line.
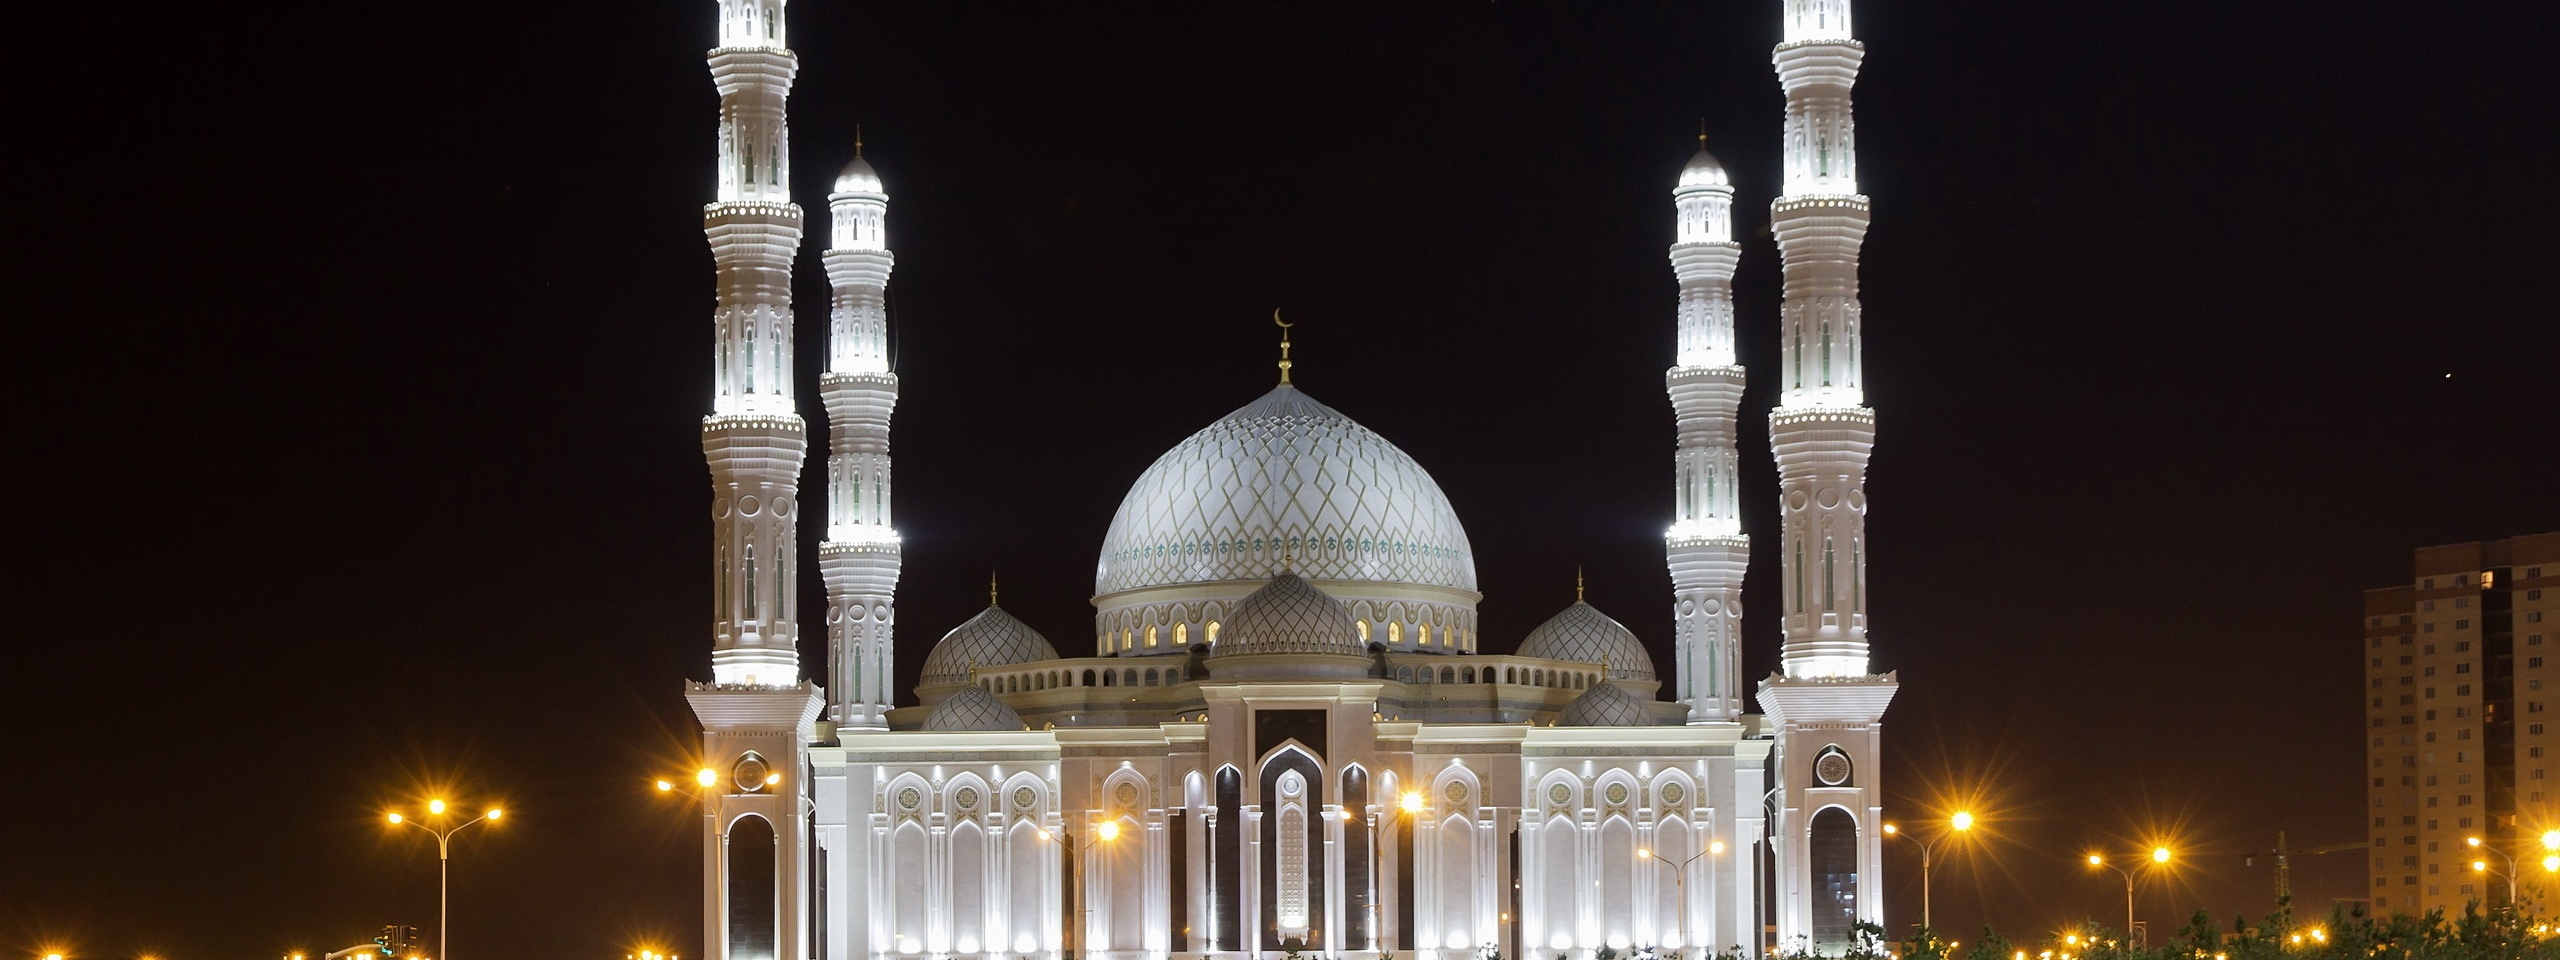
<point x="2482" y="865"/>
<point x="2159" y="857"/>
<point x="1959" y="822"/>
<point x="1679" y="871"/>
<point x="1105" y="831"/>
<point x="1411" y="801"/>
<point x="444" y="859"/>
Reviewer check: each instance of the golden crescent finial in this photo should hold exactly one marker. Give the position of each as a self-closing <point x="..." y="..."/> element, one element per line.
<point x="1284" y="344"/>
<point x="991" y="588"/>
<point x="1577" y="583"/>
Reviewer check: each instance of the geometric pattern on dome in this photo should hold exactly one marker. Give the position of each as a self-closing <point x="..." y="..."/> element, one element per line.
<point x="1284" y="477"/>
<point x="1605" y="705"/>
<point x="973" y="708"/>
<point x="1289" y="615"/>
<point x="993" y="638"/>
<point x="1582" y="634"/>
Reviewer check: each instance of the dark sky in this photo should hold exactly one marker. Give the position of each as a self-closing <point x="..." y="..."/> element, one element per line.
<point x="361" y="350"/>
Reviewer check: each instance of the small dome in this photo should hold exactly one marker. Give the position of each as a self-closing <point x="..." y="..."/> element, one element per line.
<point x="858" y="177"/>
<point x="1604" y="705"/>
<point x="973" y="709"/>
<point x="1702" y="171"/>
<point x="993" y="638"/>
<point x="1583" y="634"/>
<point x="1289" y="615"/>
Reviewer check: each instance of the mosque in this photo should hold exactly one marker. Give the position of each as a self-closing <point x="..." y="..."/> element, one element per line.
<point x="1288" y="734"/>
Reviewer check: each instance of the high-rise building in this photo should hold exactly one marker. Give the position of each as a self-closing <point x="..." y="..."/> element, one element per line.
<point x="2462" y="688"/>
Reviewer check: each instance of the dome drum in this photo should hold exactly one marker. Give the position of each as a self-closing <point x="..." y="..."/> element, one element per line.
<point x="1402" y="618"/>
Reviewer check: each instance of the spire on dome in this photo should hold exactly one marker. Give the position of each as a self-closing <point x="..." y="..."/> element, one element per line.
<point x="1284" y="345"/>
<point x="1577" y="583"/>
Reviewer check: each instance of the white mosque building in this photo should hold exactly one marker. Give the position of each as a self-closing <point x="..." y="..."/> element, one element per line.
<point x="1288" y="732"/>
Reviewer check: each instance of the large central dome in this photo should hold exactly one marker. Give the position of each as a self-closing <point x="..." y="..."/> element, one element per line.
<point x="1285" y="479"/>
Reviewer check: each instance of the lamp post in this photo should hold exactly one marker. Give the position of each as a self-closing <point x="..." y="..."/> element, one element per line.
<point x="2482" y="866"/>
<point x="1407" y="806"/>
<point x="2159" y="855"/>
<point x="1106" y="831"/>
<point x="444" y="863"/>
<point x="1960" y="822"/>
<point x="1680" y="888"/>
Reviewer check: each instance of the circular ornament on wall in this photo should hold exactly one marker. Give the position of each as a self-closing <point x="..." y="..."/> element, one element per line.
<point x="1830" y="497"/>
<point x="748" y="505"/>
<point x="1559" y="794"/>
<point x="1858" y="500"/>
<point x="966" y="797"/>
<point x="909" y="798"/>
<point x="1795" y="500"/>
<point x="720" y="510"/>
<point x="1672" y="793"/>
<point x="1832" y="769"/>
<point x="1617" y="793"/>
<point x="1713" y="605"/>
<point x="1127" y="795"/>
<point x="1456" y="792"/>
<point x="1024" y="797"/>
<point x="749" y="773"/>
<point x="782" y="506"/>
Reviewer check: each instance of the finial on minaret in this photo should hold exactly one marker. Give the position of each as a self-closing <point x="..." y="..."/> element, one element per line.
<point x="991" y="588"/>
<point x="1284" y="345"/>
<point x="857" y="137"/>
<point x="1577" y="583"/>
<point x="1702" y="137"/>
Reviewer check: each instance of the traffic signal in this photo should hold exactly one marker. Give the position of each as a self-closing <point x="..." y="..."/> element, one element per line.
<point x="408" y="939"/>
<point x="382" y="944"/>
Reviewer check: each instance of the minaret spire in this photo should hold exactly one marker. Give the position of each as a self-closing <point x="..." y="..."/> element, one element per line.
<point x="1825" y="708"/>
<point x="757" y="712"/>
<point x="1707" y="550"/>
<point x="861" y="557"/>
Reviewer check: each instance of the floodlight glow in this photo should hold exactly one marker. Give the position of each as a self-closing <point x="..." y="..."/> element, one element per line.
<point x="1963" y="820"/>
<point x="1412" y="801"/>
<point x="2159" y="854"/>
<point x="706" y="777"/>
<point x="495" y="813"/>
<point x="435" y="806"/>
<point x="395" y="819"/>
<point x="1109" y="830"/>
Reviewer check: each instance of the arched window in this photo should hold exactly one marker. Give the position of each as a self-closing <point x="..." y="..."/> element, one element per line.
<point x="1152" y="677"/>
<point x="1129" y="677"/>
<point x="1182" y="635"/>
<point x="1833" y="849"/>
<point x="1212" y="633"/>
<point x="749" y="563"/>
<point x="1827" y="592"/>
<point x="1395" y="634"/>
<point x="1088" y="679"/>
<point x="1425" y="634"/>
<point x="1448" y="675"/>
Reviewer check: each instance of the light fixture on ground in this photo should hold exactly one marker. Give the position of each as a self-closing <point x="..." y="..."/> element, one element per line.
<point x="443" y="833"/>
<point x="1105" y="831"/>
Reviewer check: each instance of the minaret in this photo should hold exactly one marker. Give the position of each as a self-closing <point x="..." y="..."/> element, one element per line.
<point x="756" y="712"/>
<point x="860" y="556"/>
<point x="1824" y="706"/>
<point x="1708" y="551"/>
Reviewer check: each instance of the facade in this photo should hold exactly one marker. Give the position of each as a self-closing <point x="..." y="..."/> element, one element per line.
<point x="2462" y="684"/>
<point x="1289" y="731"/>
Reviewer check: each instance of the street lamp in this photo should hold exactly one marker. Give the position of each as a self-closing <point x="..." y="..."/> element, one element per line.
<point x="1106" y="831"/>
<point x="1961" y="821"/>
<point x="444" y="861"/>
<point x="1407" y="806"/>
<point x="2482" y="866"/>
<point x="2158" y="856"/>
<point x="1679" y="885"/>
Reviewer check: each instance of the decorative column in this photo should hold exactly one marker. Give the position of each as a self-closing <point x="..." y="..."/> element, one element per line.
<point x="859" y="559"/>
<point x="1824" y="706"/>
<point x="756" y="712"/>
<point x="1708" y="551"/>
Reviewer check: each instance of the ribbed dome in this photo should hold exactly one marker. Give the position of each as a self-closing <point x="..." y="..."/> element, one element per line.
<point x="1702" y="171"/>
<point x="858" y="177"/>
<point x="1605" y="705"/>
<point x="993" y="638"/>
<point x="1284" y="477"/>
<point x="1585" y="635"/>
<point x="1289" y="615"/>
<point x="973" y="709"/>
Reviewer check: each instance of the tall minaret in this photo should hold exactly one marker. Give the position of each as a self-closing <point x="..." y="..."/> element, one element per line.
<point x="860" y="556"/>
<point x="1708" y="551"/>
<point x="1825" y="708"/>
<point x="756" y="712"/>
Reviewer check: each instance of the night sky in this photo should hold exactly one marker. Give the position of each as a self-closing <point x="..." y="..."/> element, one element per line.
<point x="361" y="350"/>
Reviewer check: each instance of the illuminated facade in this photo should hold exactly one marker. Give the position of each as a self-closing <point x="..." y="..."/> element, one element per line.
<point x="1288" y="730"/>
<point x="2462" y="671"/>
